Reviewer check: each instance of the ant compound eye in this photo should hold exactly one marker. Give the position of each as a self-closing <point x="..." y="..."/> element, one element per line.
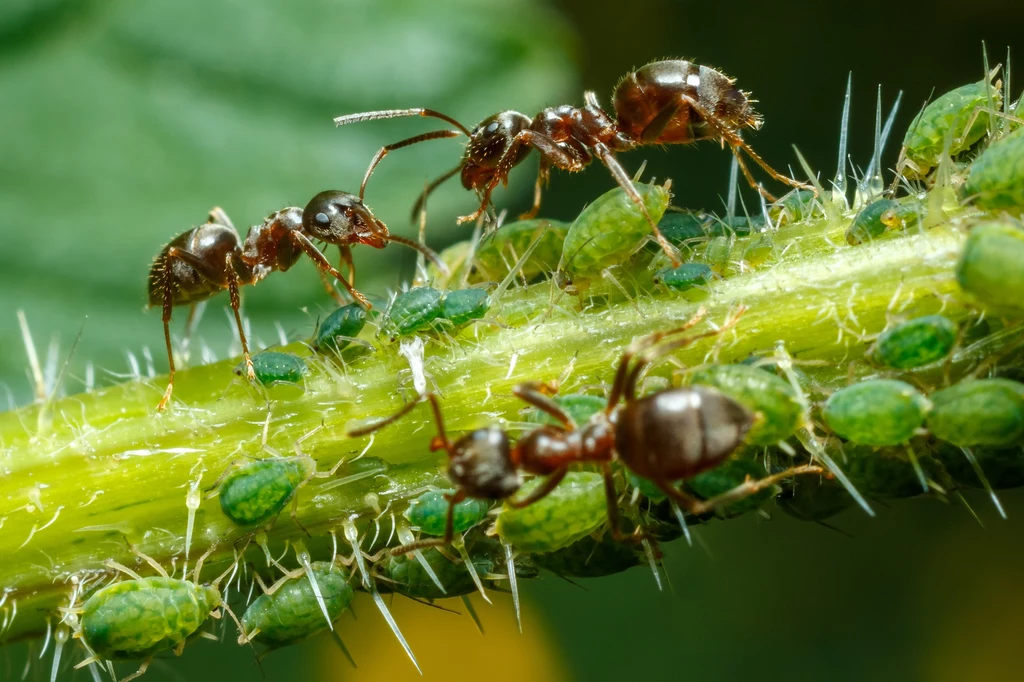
<point x="322" y="219"/>
<point x="492" y="128"/>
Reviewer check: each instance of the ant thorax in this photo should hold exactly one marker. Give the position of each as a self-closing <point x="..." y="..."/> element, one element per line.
<point x="269" y="246"/>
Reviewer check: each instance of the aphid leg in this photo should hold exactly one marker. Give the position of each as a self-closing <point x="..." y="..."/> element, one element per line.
<point x="236" y="304"/>
<point x="619" y="173"/>
<point x="536" y="393"/>
<point x="543" y="175"/>
<point x="542" y="491"/>
<point x="750" y="487"/>
<point x="321" y="262"/>
<point x="379" y="156"/>
<point x="138" y="673"/>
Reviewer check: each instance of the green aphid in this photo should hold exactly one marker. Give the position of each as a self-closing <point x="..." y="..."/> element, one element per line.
<point x="868" y="224"/>
<point x="908" y="212"/>
<point x="996" y="180"/>
<point x="813" y="498"/>
<point x="991" y="267"/>
<point x="686" y="276"/>
<point x="276" y="368"/>
<point x="590" y="558"/>
<point x="979" y="412"/>
<point x="880" y="474"/>
<point x="497" y="253"/>
<point x="800" y="204"/>
<point x="339" y="328"/>
<point x="1003" y="466"/>
<point x="759" y="250"/>
<point x="683" y="228"/>
<point x="459" y="307"/>
<point x="876" y="412"/>
<point x="728" y="475"/>
<point x="611" y="229"/>
<point x="429" y="512"/>
<point x="405" y="575"/>
<point x="138" y="618"/>
<point x="580" y="406"/>
<point x="292" y="612"/>
<point x="915" y="343"/>
<point x="257" y="491"/>
<point x="415" y="309"/>
<point x="948" y="116"/>
<point x="716" y="253"/>
<point x="769" y="396"/>
<point x="573" y="510"/>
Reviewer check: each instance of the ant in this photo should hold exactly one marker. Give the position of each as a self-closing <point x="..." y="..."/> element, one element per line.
<point x="667" y="436"/>
<point x="665" y="102"/>
<point x="207" y="259"/>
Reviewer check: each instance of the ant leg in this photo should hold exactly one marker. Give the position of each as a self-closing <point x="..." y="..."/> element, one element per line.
<point x="386" y="421"/>
<point x="399" y="113"/>
<point x="434" y="184"/>
<point x="685" y="500"/>
<point x="345" y="257"/>
<point x="543" y="174"/>
<point x="545" y="489"/>
<point x="750" y="487"/>
<point x="236" y="303"/>
<point x="321" y="262"/>
<point x="449" y="529"/>
<point x="756" y="186"/>
<point x="536" y="394"/>
<point x="614" y="518"/>
<point x="168" y="287"/>
<point x="435" y="135"/>
<point x="427" y="252"/>
<point x="619" y="173"/>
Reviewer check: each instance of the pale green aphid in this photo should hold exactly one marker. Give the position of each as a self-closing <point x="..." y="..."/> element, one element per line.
<point x="915" y="343"/>
<point x="876" y="412"/>
<point x="498" y="253"/>
<point x="573" y="510"/>
<point x="611" y="229"/>
<point x="290" y="611"/>
<point x="769" y="396"/>
<point x="257" y="491"/>
<point x="991" y="267"/>
<point x="979" y="412"/>
<point x="429" y="513"/>
<point x="996" y="180"/>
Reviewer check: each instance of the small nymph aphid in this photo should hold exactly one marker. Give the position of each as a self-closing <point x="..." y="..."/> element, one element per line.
<point x="271" y="367"/>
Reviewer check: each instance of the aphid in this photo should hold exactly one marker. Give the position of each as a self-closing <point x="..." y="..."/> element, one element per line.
<point x="666" y="436"/>
<point x="759" y="250"/>
<point x="908" y="212"/>
<point x="961" y="115"/>
<point x="665" y="102"/>
<point x="686" y="276"/>
<point x="611" y="229"/>
<point x="681" y="227"/>
<point x="996" y="180"/>
<point x="290" y="611"/>
<point x="813" y="499"/>
<point x="868" y="225"/>
<point x="726" y="477"/>
<point x="876" y="412"/>
<point x="257" y="491"/>
<point x="800" y="204"/>
<point x="339" y="328"/>
<point x="429" y="511"/>
<point x="914" y="343"/>
<point x="405" y="575"/>
<point x="716" y="254"/>
<point x="979" y="412"/>
<point x="574" y="509"/>
<point x="415" y="309"/>
<point x="880" y="473"/>
<point x="990" y="265"/>
<point x="461" y="306"/>
<point x="590" y="558"/>
<point x="767" y="395"/>
<point x="276" y="368"/>
<point x="500" y="250"/>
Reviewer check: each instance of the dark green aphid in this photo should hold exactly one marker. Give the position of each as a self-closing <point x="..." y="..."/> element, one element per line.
<point x="459" y="307"/>
<point x="686" y="276"/>
<point x="580" y="406"/>
<point x="813" y="498"/>
<point x="766" y="394"/>
<point x="611" y="229"/>
<point x="138" y="618"/>
<point x="948" y="117"/>
<point x="405" y="575"/>
<point x="881" y="474"/>
<point x="497" y="253"/>
<point x="339" y="328"/>
<point x="727" y="476"/>
<point x="573" y="510"/>
<point x="590" y="558"/>
<point x="798" y="205"/>
<point x="868" y="223"/>
<point x="1003" y="466"/>
<point x="292" y="612"/>
<point x="996" y="180"/>
<point x="429" y="512"/>
<point x="918" y="342"/>
<point x="979" y="412"/>
<point x="415" y="309"/>
<point x="735" y="225"/>
<point x="876" y="412"/>
<point x="991" y="267"/>
<point x="257" y="491"/>
<point x="276" y="368"/>
<point x="682" y="228"/>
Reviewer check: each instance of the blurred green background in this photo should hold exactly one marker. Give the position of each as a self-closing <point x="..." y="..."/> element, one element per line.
<point x="122" y="123"/>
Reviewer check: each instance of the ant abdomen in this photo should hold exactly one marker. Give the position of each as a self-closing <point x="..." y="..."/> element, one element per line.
<point x="210" y="243"/>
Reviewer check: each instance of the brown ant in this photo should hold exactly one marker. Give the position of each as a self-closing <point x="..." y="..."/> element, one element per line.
<point x="665" y="102"/>
<point x="207" y="259"/>
<point x="666" y="437"/>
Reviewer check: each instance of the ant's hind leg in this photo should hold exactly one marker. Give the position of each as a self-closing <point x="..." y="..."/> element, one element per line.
<point x="168" y="305"/>
<point x="449" y="529"/>
<point x="236" y="304"/>
<point x="750" y="487"/>
<point x="542" y="491"/>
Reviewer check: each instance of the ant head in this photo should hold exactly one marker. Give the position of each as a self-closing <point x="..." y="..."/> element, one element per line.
<point x="269" y="247"/>
<point x="340" y="218"/>
<point x="487" y="143"/>
<point x="481" y="464"/>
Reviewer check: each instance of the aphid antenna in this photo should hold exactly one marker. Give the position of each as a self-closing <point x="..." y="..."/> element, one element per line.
<point x="54" y="383"/>
<point x="406" y="537"/>
<point x="513" y="583"/>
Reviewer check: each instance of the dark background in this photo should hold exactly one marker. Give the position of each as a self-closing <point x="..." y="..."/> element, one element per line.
<point x="121" y="124"/>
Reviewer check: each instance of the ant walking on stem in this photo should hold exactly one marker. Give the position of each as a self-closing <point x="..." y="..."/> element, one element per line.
<point x="665" y="102"/>
<point x="665" y="437"/>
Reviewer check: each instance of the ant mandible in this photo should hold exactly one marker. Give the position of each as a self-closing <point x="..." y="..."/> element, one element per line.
<point x="207" y="259"/>
<point x="666" y="102"/>
<point x="665" y="437"/>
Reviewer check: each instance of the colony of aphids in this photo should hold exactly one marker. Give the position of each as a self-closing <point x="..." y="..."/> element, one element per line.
<point x="593" y="481"/>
